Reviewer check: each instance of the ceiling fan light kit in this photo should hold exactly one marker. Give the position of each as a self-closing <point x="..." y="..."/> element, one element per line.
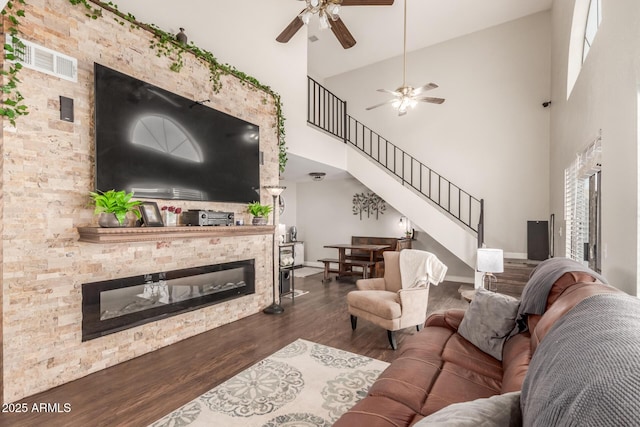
<point x="328" y="17"/>
<point x="325" y="9"/>
<point x="407" y="96"/>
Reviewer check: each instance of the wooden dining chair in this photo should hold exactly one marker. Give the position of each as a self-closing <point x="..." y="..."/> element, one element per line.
<point x="401" y="244"/>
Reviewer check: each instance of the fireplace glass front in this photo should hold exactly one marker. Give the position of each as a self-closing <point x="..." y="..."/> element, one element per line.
<point x="113" y="305"/>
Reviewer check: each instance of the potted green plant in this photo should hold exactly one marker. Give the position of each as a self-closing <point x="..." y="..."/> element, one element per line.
<point x="113" y="207"/>
<point x="260" y="213"/>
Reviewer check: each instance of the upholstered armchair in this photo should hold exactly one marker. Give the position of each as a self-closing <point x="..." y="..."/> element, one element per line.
<point x="384" y="302"/>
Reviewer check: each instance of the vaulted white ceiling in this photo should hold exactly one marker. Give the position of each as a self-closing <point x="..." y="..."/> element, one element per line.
<point x="378" y="30"/>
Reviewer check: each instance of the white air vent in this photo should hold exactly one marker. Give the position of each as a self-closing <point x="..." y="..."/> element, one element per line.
<point x="46" y="60"/>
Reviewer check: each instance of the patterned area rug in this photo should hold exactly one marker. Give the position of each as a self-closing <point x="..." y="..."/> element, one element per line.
<point x="303" y="385"/>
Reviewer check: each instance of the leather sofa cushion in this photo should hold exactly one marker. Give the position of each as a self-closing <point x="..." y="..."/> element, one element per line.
<point x="433" y="367"/>
<point x="449" y="319"/>
<point x="571" y="296"/>
<point x="377" y="411"/>
<point x="408" y="380"/>
<point x="516" y="356"/>
<point x="562" y="284"/>
<point x="456" y="384"/>
<point x="462" y="353"/>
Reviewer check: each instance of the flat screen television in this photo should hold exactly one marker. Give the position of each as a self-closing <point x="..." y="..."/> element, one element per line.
<point x="163" y="146"/>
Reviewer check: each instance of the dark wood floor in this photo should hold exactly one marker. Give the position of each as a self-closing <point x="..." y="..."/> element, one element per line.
<point x="142" y="390"/>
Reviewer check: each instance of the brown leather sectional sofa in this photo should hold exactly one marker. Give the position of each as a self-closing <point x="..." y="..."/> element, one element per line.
<point x="438" y="367"/>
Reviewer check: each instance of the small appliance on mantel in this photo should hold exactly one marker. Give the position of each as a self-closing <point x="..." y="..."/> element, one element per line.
<point x="293" y="234"/>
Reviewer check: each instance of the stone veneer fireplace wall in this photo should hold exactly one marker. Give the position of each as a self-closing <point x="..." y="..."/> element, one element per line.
<point x="47" y="171"/>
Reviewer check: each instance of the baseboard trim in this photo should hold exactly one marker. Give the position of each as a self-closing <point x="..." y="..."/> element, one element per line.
<point x="461" y="279"/>
<point x="515" y="255"/>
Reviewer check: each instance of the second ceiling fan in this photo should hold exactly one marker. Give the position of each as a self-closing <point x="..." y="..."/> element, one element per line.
<point x="328" y="14"/>
<point x="407" y="96"/>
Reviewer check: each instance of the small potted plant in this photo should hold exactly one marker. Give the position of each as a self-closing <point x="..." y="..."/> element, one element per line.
<point x="113" y="206"/>
<point x="260" y="213"/>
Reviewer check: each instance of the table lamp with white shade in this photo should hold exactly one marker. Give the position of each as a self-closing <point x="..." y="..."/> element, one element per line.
<point x="490" y="261"/>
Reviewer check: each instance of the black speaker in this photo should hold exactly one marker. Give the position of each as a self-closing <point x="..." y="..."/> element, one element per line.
<point x="538" y="240"/>
<point x="66" y="109"/>
<point x="285" y="281"/>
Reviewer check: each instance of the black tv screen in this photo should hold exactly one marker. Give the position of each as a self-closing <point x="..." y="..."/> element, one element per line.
<point x="163" y="146"/>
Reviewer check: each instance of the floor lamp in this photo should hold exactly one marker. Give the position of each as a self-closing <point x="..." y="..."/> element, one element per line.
<point x="275" y="191"/>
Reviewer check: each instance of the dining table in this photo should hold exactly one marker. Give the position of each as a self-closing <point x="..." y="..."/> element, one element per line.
<point x="345" y="265"/>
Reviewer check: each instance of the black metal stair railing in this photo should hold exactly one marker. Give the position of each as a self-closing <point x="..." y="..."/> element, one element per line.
<point x="325" y="110"/>
<point x="329" y="113"/>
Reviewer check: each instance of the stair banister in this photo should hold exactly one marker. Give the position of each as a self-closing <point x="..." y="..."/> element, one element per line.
<point x="325" y="111"/>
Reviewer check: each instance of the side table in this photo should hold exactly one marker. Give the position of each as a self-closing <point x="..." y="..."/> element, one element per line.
<point x="287" y="250"/>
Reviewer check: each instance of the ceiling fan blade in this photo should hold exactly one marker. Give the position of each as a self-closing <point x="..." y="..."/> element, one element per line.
<point x="431" y="100"/>
<point x="367" y="2"/>
<point x="291" y="29"/>
<point x="381" y="104"/>
<point x="342" y="34"/>
<point x="426" y="87"/>
<point x="392" y="92"/>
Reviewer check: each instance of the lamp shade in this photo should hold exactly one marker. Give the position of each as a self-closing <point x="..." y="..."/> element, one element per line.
<point x="490" y="260"/>
<point x="274" y="190"/>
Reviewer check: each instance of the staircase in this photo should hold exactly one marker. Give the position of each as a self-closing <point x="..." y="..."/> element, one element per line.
<point x="445" y="211"/>
<point x="515" y="276"/>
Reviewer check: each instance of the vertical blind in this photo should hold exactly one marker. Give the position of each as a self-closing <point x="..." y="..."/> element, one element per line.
<point x="576" y="207"/>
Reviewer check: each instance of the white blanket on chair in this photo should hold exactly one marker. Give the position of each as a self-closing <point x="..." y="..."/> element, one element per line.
<point x="420" y="267"/>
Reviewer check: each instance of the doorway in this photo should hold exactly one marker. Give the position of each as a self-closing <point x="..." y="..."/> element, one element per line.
<point x="593" y="253"/>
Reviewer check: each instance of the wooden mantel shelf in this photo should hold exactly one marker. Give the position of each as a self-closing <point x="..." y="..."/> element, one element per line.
<point x="148" y="234"/>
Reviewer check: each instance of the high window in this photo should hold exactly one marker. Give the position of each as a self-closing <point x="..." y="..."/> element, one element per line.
<point x="594" y="17"/>
<point x="587" y="16"/>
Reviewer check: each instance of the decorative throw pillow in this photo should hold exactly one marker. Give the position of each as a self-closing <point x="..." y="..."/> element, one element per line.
<point x="502" y="410"/>
<point x="489" y="320"/>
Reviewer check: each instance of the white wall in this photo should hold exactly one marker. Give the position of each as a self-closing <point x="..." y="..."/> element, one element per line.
<point x="325" y="216"/>
<point x="491" y="136"/>
<point x="605" y="97"/>
<point x="290" y="214"/>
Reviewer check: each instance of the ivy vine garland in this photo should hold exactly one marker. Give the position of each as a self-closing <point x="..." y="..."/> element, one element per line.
<point x="12" y="106"/>
<point x="164" y="44"/>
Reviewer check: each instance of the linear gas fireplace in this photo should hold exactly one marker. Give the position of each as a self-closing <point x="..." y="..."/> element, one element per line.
<point x="113" y="305"/>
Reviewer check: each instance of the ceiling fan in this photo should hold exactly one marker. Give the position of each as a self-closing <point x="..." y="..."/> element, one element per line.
<point x="328" y="15"/>
<point x="407" y="96"/>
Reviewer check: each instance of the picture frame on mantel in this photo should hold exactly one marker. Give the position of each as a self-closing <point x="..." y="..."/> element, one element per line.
<point x="151" y="215"/>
